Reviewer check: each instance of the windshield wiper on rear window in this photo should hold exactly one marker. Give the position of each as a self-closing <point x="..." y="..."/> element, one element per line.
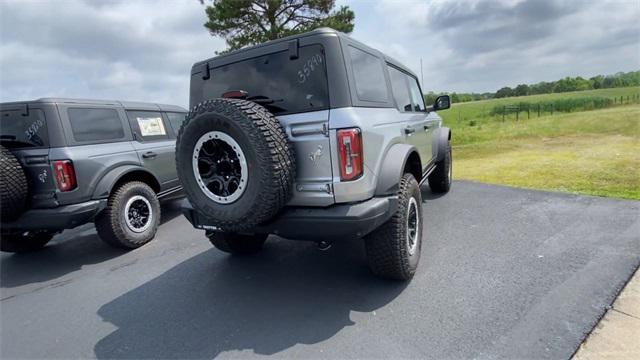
<point x="259" y="99"/>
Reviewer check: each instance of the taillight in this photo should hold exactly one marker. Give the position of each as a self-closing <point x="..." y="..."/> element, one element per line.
<point x="65" y="175"/>
<point x="350" y="153"/>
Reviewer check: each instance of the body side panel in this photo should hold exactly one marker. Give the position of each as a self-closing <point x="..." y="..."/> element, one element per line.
<point x="91" y="164"/>
<point x="381" y="129"/>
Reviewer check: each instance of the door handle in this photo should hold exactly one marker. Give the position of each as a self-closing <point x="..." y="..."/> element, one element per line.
<point x="409" y="130"/>
<point x="149" y="155"/>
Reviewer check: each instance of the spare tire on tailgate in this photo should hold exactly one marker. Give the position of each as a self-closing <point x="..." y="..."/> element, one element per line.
<point x="13" y="186"/>
<point x="235" y="163"/>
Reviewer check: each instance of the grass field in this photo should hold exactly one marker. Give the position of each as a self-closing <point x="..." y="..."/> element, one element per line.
<point x="479" y="112"/>
<point x="592" y="152"/>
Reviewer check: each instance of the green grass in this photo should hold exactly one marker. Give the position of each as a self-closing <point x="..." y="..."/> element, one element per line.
<point x="592" y="152"/>
<point x="462" y="114"/>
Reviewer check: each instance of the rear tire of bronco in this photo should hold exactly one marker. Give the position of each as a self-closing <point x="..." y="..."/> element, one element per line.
<point x="235" y="162"/>
<point x="131" y="217"/>
<point x="237" y="244"/>
<point x="393" y="250"/>
<point x="19" y="243"/>
<point x="13" y="186"/>
<point x="440" y="179"/>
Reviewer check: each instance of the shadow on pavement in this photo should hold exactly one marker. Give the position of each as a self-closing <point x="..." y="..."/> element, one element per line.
<point x="67" y="252"/>
<point x="427" y="194"/>
<point x="213" y="303"/>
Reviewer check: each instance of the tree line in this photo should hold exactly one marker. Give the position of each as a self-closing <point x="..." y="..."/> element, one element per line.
<point x="620" y="79"/>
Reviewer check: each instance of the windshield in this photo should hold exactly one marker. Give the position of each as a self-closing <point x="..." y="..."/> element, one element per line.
<point x="284" y="85"/>
<point x="23" y="131"/>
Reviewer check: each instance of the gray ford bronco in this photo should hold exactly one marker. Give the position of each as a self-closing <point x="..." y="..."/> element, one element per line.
<point x="312" y="137"/>
<point x="66" y="162"/>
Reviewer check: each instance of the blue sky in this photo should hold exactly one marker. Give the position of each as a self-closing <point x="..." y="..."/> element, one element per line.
<point x="143" y="50"/>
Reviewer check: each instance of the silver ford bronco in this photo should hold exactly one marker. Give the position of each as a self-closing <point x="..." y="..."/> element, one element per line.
<point x="312" y="137"/>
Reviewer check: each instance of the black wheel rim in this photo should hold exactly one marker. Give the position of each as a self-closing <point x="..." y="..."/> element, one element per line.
<point x="220" y="167"/>
<point x="138" y="213"/>
<point x="413" y="226"/>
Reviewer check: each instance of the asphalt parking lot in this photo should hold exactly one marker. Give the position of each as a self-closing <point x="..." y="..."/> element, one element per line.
<point x="505" y="273"/>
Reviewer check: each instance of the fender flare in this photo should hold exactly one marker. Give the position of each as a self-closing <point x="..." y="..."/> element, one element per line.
<point x="107" y="182"/>
<point x="441" y="138"/>
<point x="392" y="168"/>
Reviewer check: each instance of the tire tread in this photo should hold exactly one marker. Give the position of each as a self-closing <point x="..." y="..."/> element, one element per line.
<point x="268" y="136"/>
<point x="386" y="248"/>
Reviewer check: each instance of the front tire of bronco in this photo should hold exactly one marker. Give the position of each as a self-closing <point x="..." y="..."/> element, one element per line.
<point x="237" y="244"/>
<point x="440" y="179"/>
<point x="131" y="217"/>
<point x="25" y="242"/>
<point x="393" y="250"/>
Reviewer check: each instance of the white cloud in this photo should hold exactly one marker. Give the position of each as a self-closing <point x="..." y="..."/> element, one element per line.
<point x="129" y="50"/>
<point x="142" y="50"/>
<point x="482" y="45"/>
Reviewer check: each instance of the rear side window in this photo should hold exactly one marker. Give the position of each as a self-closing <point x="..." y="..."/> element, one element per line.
<point x="400" y="88"/>
<point x="416" y="94"/>
<point x="23" y="130"/>
<point x="281" y="84"/>
<point x="95" y="124"/>
<point x="147" y="125"/>
<point x="368" y="75"/>
<point x="176" y="120"/>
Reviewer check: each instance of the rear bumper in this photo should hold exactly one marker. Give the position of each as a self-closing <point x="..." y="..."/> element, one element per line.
<point x="59" y="218"/>
<point x="333" y="223"/>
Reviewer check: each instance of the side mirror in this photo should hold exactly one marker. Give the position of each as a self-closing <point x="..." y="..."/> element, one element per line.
<point x="442" y="102"/>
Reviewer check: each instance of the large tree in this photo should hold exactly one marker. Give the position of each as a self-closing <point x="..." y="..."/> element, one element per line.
<point x="249" y="22"/>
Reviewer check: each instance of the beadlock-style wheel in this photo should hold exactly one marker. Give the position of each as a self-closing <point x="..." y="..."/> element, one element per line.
<point x="219" y="143"/>
<point x="413" y="226"/>
<point x="138" y="214"/>
<point x="220" y="167"/>
<point x="393" y="249"/>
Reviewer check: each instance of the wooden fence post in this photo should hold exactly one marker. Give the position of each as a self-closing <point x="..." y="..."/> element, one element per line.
<point x="539" y="110"/>
<point x="504" y="110"/>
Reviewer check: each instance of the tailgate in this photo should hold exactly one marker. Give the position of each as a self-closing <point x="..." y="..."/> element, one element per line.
<point x="309" y="134"/>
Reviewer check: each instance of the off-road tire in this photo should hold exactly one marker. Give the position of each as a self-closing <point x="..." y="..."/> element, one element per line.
<point x="269" y="156"/>
<point x="440" y="179"/>
<point x="13" y="186"/>
<point x="111" y="224"/>
<point x="388" y="247"/>
<point x="237" y="244"/>
<point x="19" y="242"/>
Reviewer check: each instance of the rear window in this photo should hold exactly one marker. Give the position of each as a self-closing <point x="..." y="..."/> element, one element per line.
<point x="95" y="124"/>
<point x="279" y="83"/>
<point x="20" y="130"/>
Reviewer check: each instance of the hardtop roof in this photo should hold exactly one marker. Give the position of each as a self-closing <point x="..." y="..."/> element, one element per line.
<point x="324" y="31"/>
<point x="127" y="105"/>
